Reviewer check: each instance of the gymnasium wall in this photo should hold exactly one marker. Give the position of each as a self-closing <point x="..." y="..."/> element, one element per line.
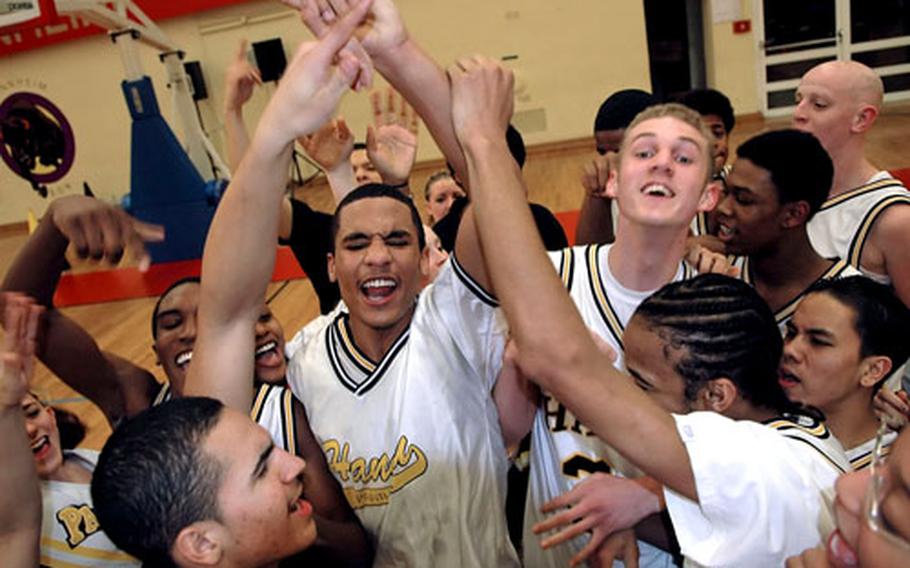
<point x="569" y="55"/>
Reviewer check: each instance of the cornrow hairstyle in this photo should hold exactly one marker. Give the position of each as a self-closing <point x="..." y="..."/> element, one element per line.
<point x="374" y="190"/>
<point x="174" y="285"/>
<point x="881" y="320"/>
<point x="807" y="181"/>
<point x="720" y="327"/>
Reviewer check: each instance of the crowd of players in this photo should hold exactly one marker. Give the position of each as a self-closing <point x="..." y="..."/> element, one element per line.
<point x="713" y="376"/>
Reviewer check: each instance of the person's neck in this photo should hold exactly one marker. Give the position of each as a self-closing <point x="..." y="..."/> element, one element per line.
<point x="851" y="168"/>
<point x="742" y="409"/>
<point x="646" y="258"/>
<point x="852" y="420"/>
<point x="376" y="342"/>
<point x="792" y="263"/>
<point x="70" y="471"/>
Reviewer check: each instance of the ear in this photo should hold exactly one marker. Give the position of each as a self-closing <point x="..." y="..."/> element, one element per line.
<point x="157" y="357"/>
<point x="198" y="545"/>
<point x="330" y="259"/>
<point x="717" y="395"/>
<point x="795" y="214"/>
<point x="612" y="183"/>
<point x="424" y="264"/>
<point x="864" y="118"/>
<point x="710" y="196"/>
<point x="874" y="369"/>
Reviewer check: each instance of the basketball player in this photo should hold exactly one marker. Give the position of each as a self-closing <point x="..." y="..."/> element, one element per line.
<point x="866" y="218"/>
<point x="713" y="466"/>
<point x="397" y="388"/>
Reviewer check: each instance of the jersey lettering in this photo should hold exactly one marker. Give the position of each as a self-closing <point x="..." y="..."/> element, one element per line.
<point x="79" y="522"/>
<point x="559" y="419"/>
<point x="580" y="464"/>
<point x="392" y="471"/>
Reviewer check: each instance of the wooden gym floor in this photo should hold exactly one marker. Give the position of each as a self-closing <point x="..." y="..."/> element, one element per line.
<point x="552" y="172"/>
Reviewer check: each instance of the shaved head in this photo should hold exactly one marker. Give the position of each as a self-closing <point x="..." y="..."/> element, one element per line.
<point x="850" y="78"/>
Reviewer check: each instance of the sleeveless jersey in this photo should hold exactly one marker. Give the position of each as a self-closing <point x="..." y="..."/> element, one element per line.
<point x="414" y="438"/>
<point x="564" y="451"/>
<point x="70" y="533"/>
<point x="842" y="225"/>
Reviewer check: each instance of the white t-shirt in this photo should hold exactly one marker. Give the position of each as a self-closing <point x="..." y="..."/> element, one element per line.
<point x="760" y="489"/>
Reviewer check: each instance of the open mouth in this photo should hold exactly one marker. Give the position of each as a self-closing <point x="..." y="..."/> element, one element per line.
<point x="183" y="358"/>
<point x="657" y="190"/>
<point x="41" y="446"/>
<point x="724" y="232"/>
<point x="378" y="291"/>
<point x="267" y="354"/>
<point x="787" y="379"/>
<point x="300" y="506"/>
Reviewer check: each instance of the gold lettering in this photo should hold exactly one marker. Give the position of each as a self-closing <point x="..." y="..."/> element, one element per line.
<point x="406" y="463"/>
<point x="79" y="523"/>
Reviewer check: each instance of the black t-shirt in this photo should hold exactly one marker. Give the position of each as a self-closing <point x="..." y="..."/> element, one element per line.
<point x="551" y="232"/>
<point x="311" y="242"/>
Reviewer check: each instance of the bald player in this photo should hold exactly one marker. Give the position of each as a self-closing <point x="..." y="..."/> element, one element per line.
<point x="866" y="218"/>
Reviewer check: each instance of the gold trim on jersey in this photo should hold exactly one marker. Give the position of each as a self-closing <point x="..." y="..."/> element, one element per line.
<point x="886" y="183"/>
<point x="787" y="310"/>
<point x="701" y="223"/>
<point x="87" y="552"/>
<point x="164" y="394"/>
<point x="567" y="267"/>
<point x="595" y="280"/>
<point x="290" y="422"/>
<point x="855" y="252"/>
<point x="339" y="344"/>
<point x="864" y="460"/>
<point x="813" y="430"/>
<point x="262" y="394"/>
<point x="472" y="284"/>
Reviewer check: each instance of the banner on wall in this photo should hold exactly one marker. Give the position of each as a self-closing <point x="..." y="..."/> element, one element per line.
<point x="31" y="24"/>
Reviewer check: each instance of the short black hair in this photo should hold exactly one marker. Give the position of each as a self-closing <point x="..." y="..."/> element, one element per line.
<point x="720" y="327"/>
<point x="710" y="101"/>
<point x="153" y="479"/>
<point x="176" y="284"/>
<point x="808" y="178"/>
<point x="372" y="190"/>
<point x="618" y="110"/>
<point x="882" y="321"/>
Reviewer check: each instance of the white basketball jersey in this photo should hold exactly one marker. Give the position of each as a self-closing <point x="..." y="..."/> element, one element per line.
<point x="840" y="269"/>
<point x="564" y="451"/>
<point x="272" y="409"/>
<point x="840" y="228"/>
<point x="861" y="456"/>
<point x="70" y="533"/>
<point x="414" y="438"/>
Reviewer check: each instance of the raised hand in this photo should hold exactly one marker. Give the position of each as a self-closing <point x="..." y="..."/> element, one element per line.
<point x="101" y="231"/>
<point x="392" y="138"/>
<point x="380" y="32"/>
<point x="314" y="81"/>
<point x="601" y="505"/>
<point x="482" y="98"/>
<point x="240" y="79"/>
<point x="893" y="407"/>
<point x="330" y="146"/>
<point x="20" y="322"/>
<point x="595" y="174"/>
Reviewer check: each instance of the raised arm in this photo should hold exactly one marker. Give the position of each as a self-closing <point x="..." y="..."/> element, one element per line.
<point x="413" y="73"/>
<point x="240" y="79"/>
<point x="102" y="232"/>
<point x="555" y="348"/>
<point x="20" y="495"/>
<point x="240" y="250"/>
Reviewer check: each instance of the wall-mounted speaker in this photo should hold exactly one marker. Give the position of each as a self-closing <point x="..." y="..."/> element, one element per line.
<point x="270" y="58"/>
<point x="194" y="72"/>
